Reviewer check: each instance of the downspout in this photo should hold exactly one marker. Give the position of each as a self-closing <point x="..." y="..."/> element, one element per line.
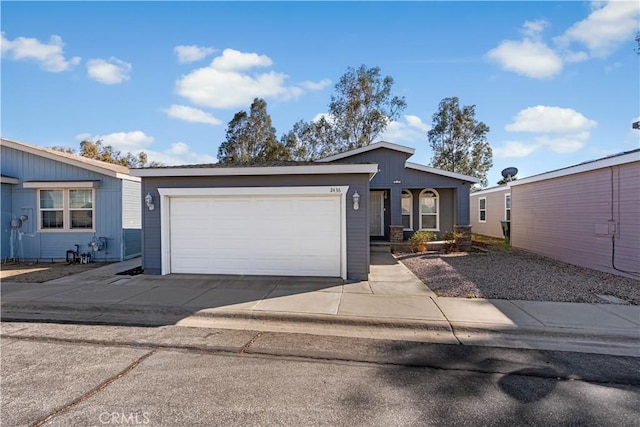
<point x="617" y="225"/>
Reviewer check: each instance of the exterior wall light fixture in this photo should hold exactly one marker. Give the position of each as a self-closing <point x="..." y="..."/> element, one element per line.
<point x="356" y="201"/>
<point x="148" y="200"/>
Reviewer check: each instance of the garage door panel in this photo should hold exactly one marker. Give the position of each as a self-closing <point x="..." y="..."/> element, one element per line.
<point x="283" y="235"/>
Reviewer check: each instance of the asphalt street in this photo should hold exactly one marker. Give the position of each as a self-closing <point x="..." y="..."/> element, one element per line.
<point x="80" y="375"/>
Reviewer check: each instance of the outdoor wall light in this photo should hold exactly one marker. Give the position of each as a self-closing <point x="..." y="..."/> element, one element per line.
<point x="148" y="200"/>
<point x="356" y="201"/>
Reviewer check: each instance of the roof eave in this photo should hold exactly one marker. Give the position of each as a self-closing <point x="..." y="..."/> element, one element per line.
<point x="429" y="169"/>
<point x="62" y="159"/>
<point x="370" y="169"/>
<point x="375" y="146"/>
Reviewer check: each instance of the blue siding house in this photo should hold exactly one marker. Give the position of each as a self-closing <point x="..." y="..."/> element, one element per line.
<point x="53" y="201"/>
<point x="406" y="197"/>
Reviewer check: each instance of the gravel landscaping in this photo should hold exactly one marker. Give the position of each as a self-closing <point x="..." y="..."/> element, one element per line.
<point x="515" y="274"/>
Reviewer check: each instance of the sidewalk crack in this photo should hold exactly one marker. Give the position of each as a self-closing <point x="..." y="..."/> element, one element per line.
<point x="97" y="389"/>
<point x="453" y="331"/>
<point x="250" y="342"/>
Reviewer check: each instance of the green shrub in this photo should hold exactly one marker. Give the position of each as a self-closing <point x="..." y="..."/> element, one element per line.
<point x="419" y="240"/>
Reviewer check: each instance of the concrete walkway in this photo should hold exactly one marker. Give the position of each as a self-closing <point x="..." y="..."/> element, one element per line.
<point x="392" y="304"/>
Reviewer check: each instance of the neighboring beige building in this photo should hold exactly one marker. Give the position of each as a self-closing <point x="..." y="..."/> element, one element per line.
<point x="587" y="214"/>
<point x="488" y="209"/>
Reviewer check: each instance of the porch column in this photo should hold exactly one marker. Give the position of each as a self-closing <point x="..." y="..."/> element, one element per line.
<point x="396" y="234"/>
<point x="462" y="217"/>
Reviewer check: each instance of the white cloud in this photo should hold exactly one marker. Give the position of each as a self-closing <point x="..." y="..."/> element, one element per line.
<point x="316" y="85"/>
<point x="50" y="55"/>
<point x="527" y="57"/>
<point x="232" y="59"/>
<point x="192" y="115"/>
<point x="412" y="129"/>
<point x="544" y="119"/>
<point x="515" y="149"/>
<point x="229" y="82"/>
<point x="561" y="130"/>
<point x="192" y="53"/>
<point x="568" y="143"/>
<point x="179" y="154"/>
<point x="533" y="29"/>
<point x="108" y="71"/>
<point x="609" y="25"/>
<point x="133" y="141"/>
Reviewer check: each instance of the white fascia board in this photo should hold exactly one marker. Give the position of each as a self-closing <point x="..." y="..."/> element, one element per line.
<point x="128" y="177"/>
<point x="65" y="160"/>
<point x="9" y="180"/>
<point x="370" y="169"/>
<point x="374" y="146"/>
<point x="254" y="191"/>
<point x="436" y="171"/>
<point x="61" y="184"/>
<point x="505" y="187"/>
<point x="585" y="167"/>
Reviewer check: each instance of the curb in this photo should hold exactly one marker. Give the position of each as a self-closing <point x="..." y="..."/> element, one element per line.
<point x="133" y="315"/>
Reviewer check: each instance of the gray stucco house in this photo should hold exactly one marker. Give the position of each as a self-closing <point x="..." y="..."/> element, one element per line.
<point x="52" y="201"/>
<point x="293" y="218"/>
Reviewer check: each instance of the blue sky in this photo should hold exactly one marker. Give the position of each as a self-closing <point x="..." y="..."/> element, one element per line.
<point x="556" y="82"/>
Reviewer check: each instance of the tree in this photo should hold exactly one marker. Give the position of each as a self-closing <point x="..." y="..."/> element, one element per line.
<point x="459" y="142"/>
<point x="363" y="106"/>
<point x="251" y="137"/>
<point x="503" y="181"/>
<point x="310" y="141"/>
<point x="106" y="153"/>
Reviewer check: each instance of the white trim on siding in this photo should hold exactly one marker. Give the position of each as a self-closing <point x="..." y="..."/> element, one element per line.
<point x="320" y="169"/>
<point x="61" y="184"/>
<point x="631" y="157"/>
<point x="437" y="171"/>
<point x="480" y="210"/>
<point x="370" y="147"/>
<point x="434" y="191"/>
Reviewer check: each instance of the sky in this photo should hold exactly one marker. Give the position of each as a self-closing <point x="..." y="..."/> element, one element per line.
<point x="556" y="82"/>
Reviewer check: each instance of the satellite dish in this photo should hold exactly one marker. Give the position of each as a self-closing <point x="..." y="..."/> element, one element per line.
<point x="509" y="173"/>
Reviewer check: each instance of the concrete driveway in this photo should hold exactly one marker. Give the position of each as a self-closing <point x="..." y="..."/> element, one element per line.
<point x="392" y="304"/>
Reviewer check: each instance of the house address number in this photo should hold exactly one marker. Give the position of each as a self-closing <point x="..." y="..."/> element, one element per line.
<point x="335" y="190"/>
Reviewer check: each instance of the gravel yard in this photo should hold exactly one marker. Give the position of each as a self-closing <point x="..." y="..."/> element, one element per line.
<point x="515" y="274"/>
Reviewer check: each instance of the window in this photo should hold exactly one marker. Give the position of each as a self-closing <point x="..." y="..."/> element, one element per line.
<point x="66" y="209"/>
<point x="429" y="210"/>
<point x="407" y="210"/>
<point x="507" y="207"/>
<point x="482" y="212"/>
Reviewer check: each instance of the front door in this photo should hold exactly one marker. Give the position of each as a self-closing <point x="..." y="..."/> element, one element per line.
<point x="376" y="213"/>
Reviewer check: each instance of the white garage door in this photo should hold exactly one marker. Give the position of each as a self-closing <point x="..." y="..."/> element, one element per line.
<point x="258" y="235"/>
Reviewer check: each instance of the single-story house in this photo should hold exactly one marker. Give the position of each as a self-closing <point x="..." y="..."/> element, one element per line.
<point x="587" y="214"/>
<point x="53" y="201"/>
<point x="489" y="208"/>
<point x="293" y="218"/>
<point x="406" y="197"/>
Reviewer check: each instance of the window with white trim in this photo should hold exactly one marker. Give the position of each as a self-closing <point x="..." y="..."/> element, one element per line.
<point x="507" y="207"/>
<point x="407" y="210"/>
<point x="66" y="209"/>
<point x="482" y="209"/>
<point x="429" y="210"/>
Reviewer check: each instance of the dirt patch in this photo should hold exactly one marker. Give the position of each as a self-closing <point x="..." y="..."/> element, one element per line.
<point x="515" y="274"/>
<point x="41" y="272"/>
